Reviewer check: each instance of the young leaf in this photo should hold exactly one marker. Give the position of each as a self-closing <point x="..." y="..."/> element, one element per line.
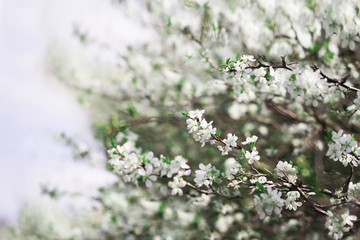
<point x="260" y="187"/>
<point x="186" y="114"/>
<point x="218" y="132"/>
<point x="113" y="143"/>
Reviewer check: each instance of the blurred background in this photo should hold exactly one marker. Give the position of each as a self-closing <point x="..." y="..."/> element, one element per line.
<point x="78" y="76"/>
<point x="35" y="108"/>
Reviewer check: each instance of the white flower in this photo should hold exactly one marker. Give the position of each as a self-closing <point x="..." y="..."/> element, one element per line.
<point x="176" y="185"/>
<point x="260" y="75"/>
<point x="196" y="114"/>
<point x="290" y="202"/>
<point x="224" y="149"/>
<point x="231" y="140"/>
<point x="234" y="184"/>
<point x="201" y="176"/>
<point x="233" y="169"/>
<point x="347" y="142"/>
<point x="339" y="223"/>
<point x="147" y="175"/>
<point x="250" y="140"/>
<point x="261" y="179"/>
<point x="334" y="151"/>
<point x="268" y="203"/>
<point x="178" y="163"/>
<point x="284" y="169"/>
<point x="153" y="160"/>
<point x="166" y="170"/>
<point x="184" y="172"/>
<point x="350" y="40"/>
<point x="353" y="189"/>
<point x="248" y="58"/>
<point x="205" y="175"/>
<point x="348" y="158"/>
<point x="192" y="125"/>
<point x="252" y="156"/>
<point x="201" y="130"/>
<point x="337" y="135"/>
<point x="240" y="66"/>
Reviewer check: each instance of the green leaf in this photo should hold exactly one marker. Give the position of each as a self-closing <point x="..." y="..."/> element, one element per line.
<point x="113" y="143"/>
<point x="166" y="159"/>
<point x="161" y="210"/>
<point x="328" y="56"/>
<point x="114" y="219"/>
<point x="238" y="56"/>
<point x="110" y="167"/>
<point x="214" y="27"/>
<point x="293" y="78"/>
<point x="227" y="61"/>
<point x="180" y="85"/>
<point x="218" y="132"/>
<point x="315" y="48"/>
<point x="131" y="110"/>
<point x="169" y="23"/>
<point x="260" y="187"/>
<point x="243" y="151"/>
<point x="186" y="114"/>
<point x="328" y="137"/>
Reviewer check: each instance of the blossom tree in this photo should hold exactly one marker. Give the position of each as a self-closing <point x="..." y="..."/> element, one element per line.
<point x="277" y="154"/>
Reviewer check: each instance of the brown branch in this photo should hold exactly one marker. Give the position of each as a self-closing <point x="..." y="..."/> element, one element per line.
<point x="346" y="186"/>
<point x="336" y="81"/>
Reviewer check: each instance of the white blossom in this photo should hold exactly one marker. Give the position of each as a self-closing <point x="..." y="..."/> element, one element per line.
<point x="337" y="224"/>
<point x="250" y="140"/>
<point x="147" y="175"/>
<point x="176" y="185"/>
<point x="201" y="130"/>
<point x="291" y="202"/>
<point x="343" y="148"/>
<point x="205" y="175"/>
<point x="268" y="203"/>
<point x="196" y="114"/>
<point x="284" y="169"/>
<point x="252" y="156"/>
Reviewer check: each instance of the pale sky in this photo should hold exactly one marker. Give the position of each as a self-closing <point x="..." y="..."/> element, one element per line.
<point x="35" y="108"/>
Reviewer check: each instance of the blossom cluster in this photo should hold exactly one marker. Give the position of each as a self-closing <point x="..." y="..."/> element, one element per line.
<point x="268" y="203"/>
<point x="284" y="169"/>
<point x="229" y="142"/>
<point x="233" y="173"/>
<point x="201" y="130"/>
<point x="291" y="202"/>
<point x="302" y="83"/>
<point x="353" y="190"/>
<point x="206" y="175"/>
<point x="307" y="84"/>
<point x="132" y="167"/>
<point x="340" y="18"/>
<point x="337" y="224"/>
<point x="343" y="148"/>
